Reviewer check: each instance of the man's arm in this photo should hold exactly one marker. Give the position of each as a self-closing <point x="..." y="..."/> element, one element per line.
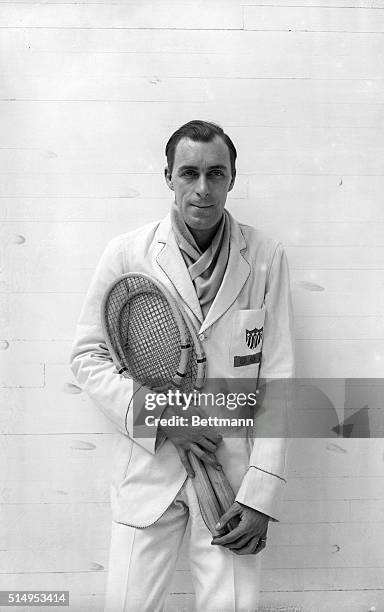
<point x="260" y="495"/>
<point x="91" y="362"/>
<point x="263" y="484"/>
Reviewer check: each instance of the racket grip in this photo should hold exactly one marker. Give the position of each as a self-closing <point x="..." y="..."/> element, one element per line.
<point x="214" y="493"/>
<point x="208" y="503"/>
<point x="223" y="491"/>
<point x="177" y="380"/>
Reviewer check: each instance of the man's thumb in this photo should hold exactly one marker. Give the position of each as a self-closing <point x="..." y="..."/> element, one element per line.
<point x="227" y="516"/>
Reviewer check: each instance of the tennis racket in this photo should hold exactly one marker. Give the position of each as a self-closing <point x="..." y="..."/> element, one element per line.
<point x="152" y="340"/>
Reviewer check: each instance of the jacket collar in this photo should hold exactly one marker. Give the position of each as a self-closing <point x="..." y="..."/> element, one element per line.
<point x="237" y="272"/>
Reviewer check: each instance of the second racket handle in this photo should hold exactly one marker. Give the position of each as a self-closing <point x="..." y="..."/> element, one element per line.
<point x="183" y="365"/>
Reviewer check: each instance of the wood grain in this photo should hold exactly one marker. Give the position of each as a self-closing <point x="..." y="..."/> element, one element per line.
<point x="157" y="89"/>
<point x="313" y="19"/>
<point x="304" y="62"/>
<point x="241" y="43"/>
<point x="121" y="16"/>
<point x="110" y="116"/>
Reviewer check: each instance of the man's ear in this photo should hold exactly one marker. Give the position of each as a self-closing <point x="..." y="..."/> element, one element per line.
<point x="168" y="178"/>
<point x="231" y="184"/>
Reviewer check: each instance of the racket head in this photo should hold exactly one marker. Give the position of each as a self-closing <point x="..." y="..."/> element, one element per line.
<point x="151" y="339"/>
<point x="145" y="332"/>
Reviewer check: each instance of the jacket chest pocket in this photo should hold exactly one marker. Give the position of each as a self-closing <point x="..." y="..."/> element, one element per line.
<point x="246" y="341"/>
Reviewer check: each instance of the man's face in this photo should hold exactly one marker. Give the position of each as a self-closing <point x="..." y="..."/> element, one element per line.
<point x="201" y="178"/>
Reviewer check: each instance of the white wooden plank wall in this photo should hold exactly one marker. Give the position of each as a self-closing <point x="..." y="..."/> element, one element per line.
<point x="89" y="93"/>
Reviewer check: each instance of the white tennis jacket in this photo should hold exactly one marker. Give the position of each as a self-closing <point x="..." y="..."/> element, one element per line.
<point x="255" y="287"/>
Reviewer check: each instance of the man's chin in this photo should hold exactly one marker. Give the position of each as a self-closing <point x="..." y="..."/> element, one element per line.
<point x="203" y="220"/>
<point x="201" y="224"/>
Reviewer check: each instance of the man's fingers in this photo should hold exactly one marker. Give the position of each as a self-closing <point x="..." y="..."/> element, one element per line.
<point x="185" y="461"/>
<point x="249" y="549"/>
<point x="207" y="444"/>
<point x="215" y="437"/>
<point x="260" y="545"/>
<point x="204" y="456"/>
<point x="233" y="511"/>
<point x="239" y="543"/>
<point x="230" y="537"/>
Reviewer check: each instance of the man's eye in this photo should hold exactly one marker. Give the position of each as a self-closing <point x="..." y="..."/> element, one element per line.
<point x="188" y="173"/>
<point x="216" y="173"/>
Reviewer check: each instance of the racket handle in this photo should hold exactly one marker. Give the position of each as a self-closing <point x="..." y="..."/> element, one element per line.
<point x="209" y="506"/>
<point x="177" y="380"/>
<point x="214" y="494"/>
<point x="223" y="491"/>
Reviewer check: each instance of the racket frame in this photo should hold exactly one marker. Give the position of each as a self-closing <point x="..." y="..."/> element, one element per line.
<point x="182" y="322"/>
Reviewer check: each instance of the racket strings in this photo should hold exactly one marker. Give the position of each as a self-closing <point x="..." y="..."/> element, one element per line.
<point x="151" y="343"/>
<point x="148" y="335"/>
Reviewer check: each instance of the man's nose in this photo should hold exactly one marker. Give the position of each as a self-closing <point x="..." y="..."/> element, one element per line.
<point x="202" y="187"/>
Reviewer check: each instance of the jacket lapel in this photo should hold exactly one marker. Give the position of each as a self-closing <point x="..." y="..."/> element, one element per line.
<point x="235" y="276"/>
<point x="172" y="263"/>
<point x="237" y="272"/>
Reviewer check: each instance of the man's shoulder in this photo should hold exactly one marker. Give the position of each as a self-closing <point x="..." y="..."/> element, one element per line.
<point x="258" y="240"/>
<point x="140" y="235"/>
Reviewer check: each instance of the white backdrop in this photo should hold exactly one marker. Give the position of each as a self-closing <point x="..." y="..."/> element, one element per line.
<point x="89" y="94"/>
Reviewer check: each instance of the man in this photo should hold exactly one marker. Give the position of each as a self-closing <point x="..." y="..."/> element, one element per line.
<point x="230" y="279"/>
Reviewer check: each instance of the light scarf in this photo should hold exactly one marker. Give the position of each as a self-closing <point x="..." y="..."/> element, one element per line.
<point x="207" y="268"/>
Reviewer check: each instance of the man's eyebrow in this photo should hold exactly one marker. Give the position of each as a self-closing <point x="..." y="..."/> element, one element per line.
<point x="187" y="167"/>
<point x="192" y="167"/>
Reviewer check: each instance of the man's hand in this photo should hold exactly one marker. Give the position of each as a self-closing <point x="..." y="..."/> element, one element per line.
<point x="250" y="536"/>
<point x="201" y="441"/>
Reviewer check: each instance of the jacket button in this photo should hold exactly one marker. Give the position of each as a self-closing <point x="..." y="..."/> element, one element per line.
<point x="202" y="337"/>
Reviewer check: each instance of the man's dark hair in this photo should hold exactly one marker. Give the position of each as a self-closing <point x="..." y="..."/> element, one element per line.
<point x="200" y="131"/>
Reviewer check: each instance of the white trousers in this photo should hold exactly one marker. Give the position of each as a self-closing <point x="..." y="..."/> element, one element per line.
<point x="142" y="563"/>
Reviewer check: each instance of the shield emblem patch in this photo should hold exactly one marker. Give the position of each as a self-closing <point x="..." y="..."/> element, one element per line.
<point x="253" y="337"/>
